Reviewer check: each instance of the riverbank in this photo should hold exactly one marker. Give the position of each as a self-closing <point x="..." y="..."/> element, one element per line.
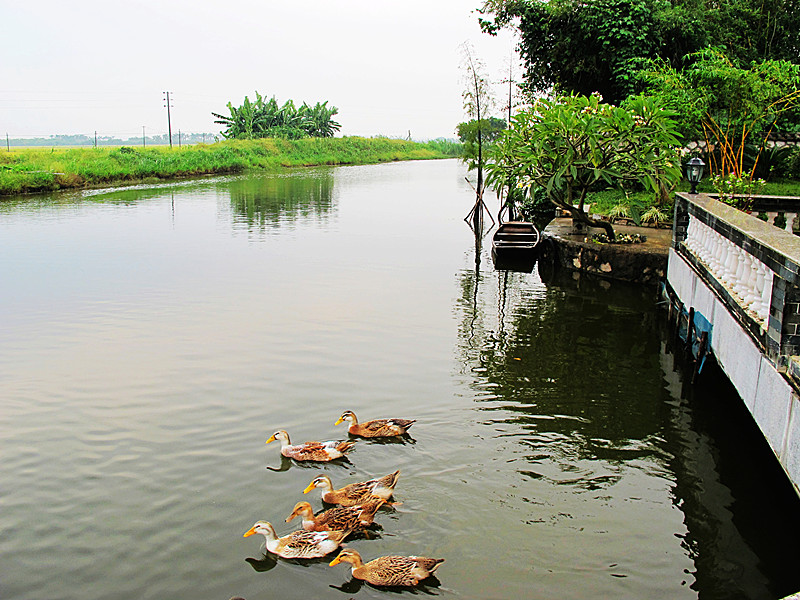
<point x="51" y="169"/>
<point x="644" y="263"/>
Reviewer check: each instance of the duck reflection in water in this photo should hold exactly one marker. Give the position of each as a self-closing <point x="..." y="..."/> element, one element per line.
<point x="270" y="561"/>
<point x="286" y="464"/>
<point x="429" y="586"/>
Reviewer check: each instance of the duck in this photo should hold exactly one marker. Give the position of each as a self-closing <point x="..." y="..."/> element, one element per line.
<point x="316" y="451"/>
<point x="375" y="427"/>
<point x="389" y="570"/>
<point x="339" y="518"/>
<point x="355" y="493"/>
<point x="300" y="543"/>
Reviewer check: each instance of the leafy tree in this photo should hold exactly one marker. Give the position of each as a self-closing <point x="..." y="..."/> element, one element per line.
<point x="574" y="145"/>
<point x="468" y="132"/>
<point x="734" y="110"/>
<point x="266" y="118"/>
<point x="587" y="46"/>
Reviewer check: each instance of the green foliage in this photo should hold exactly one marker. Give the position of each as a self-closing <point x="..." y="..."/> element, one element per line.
<point x="655" y="215"/>
<point x="533" y="207"/>
<point x="768" y="162"/>
<point x="587" y="46"/>
<point x="468" y="131"/>
<point x="445" y="147"/>
<point x="24" y="171"/>
<point x="729" y="107"/>
<point x="737" y="191"/>
<point x="265" y="118"/>
<point x="620" y="210"/>
<point x="791" y="168"/>
<point x="574" y="145"/>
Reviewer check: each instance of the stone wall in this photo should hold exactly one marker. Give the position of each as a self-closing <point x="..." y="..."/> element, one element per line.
<point x="624" y="262"/>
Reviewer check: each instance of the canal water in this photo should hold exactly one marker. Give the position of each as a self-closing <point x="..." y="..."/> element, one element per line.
<point x="152" y="338"/>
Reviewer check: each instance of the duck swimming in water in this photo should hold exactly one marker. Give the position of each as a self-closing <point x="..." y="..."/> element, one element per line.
<point x="355" y="493"/>
<point x="375" y="427"/>
<point x="339" y="518"/>
<point x="389" y="570"/>
<point x="298" y="544"/>
<point x="314" y="451"/>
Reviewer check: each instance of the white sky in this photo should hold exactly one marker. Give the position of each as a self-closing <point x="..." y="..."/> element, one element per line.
<point x="82" y="66"/>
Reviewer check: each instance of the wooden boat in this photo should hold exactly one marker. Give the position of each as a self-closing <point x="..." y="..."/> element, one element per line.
<point x="515" y="246"/>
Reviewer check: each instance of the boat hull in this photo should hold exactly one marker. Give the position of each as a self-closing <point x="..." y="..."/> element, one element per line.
<point x="515" y="246"/>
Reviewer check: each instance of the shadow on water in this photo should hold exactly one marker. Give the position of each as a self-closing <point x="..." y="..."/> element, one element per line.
<point x="576" y="370"/>
<point x="288" y="463"/>
<point x="401" y="440"/>
<point x="269" y="561"/>
<point x="429" y="587"/>
<point x="272" y="201"/>
<point x="742" y="515"/>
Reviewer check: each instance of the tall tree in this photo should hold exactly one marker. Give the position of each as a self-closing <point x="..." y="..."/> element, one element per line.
<point x="586" y="46"/>
<point x="477" y="103"/>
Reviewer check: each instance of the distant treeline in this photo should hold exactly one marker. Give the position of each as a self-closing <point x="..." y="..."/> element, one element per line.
<point x="178" y="138"/>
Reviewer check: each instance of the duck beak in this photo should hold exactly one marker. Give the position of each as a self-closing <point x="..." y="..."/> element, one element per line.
<point x="335" y="561"/>
<point x="290" y="517"/>
<point x="271" y="439"/>
<point x="339" y="421"/>
<point x="309" y="488"/>
<point x="249" y="532"/>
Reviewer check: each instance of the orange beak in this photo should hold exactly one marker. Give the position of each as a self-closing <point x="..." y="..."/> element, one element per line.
<point x="309" y="488"/>
<point x="335" y="561"/>
<point x="271" y="439"/>
<point x="250" y="532"/>
<point x="339" y="421"/>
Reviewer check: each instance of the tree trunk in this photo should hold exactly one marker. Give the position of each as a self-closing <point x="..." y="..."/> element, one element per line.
<point x="582" y="217"/>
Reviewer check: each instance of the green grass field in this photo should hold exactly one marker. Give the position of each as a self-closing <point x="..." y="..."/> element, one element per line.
<point x="43" y="170"/>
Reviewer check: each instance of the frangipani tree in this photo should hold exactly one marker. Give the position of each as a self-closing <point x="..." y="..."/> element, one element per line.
<point x="573" y="145"/>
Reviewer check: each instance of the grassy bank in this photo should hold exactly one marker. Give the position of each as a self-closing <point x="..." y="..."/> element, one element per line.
<point x="41" y="170"/>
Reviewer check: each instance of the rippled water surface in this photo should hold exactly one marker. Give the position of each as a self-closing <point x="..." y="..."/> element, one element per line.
<point x="151" y="339"/>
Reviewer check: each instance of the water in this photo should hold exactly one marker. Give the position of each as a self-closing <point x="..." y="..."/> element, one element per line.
<point x="152" y="338"/>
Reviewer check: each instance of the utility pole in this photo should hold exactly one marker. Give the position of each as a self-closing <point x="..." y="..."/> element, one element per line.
<point x="8" y="146"/>
<point x="179" y="138"/>
<point x="95" y="139"/>
<point x="144" y="143"/>
<point x="169" y="121"/>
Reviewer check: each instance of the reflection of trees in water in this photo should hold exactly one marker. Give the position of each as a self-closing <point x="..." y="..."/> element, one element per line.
<point x="577" y="373"/>
<point x="274" y="200"/>
<point x="581" y="356"/>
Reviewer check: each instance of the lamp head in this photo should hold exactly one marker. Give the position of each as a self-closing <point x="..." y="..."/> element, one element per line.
<point x="694" y="172"/>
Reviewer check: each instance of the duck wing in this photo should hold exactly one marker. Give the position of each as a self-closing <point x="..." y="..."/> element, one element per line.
<point x="318" y="451"/>
<point x="385" y="427"/>
<point x="306" y="544"/>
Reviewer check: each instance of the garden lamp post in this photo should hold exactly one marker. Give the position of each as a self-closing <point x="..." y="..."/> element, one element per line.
<point x="694" y="172"/>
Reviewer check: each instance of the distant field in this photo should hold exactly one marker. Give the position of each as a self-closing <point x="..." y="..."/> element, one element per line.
<point x="26" y="170"/>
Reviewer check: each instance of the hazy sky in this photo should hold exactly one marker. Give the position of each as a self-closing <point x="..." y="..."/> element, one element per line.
<point x="82" y="66"/>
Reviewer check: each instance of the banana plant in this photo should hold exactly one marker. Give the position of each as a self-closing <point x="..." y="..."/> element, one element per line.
<point x="266" y="118"/>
